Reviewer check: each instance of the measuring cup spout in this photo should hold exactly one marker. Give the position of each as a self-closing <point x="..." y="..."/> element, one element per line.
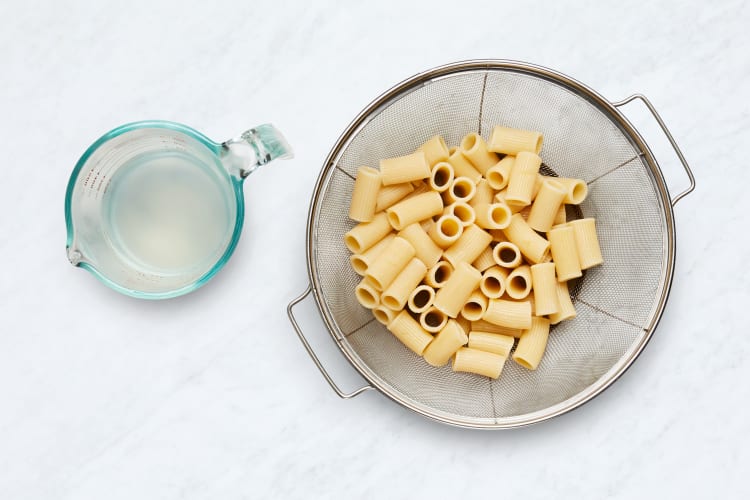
<point x="244" y="154"/>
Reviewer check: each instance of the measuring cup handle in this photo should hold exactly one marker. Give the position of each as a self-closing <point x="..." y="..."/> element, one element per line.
<point x="337" y="390"/>
<point x="669" y="137"/>
<point x="255" y="147"/>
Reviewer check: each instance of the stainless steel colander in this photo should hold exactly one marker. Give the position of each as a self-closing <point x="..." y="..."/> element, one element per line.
<point x="619" y="303"/>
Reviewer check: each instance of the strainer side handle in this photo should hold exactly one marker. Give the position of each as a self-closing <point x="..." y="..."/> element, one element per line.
<point x="666" y="131"/>
<point x="336" y="388"/>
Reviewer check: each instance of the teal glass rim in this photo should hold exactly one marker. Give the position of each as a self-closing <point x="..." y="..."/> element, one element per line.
<point x="215" y="148"/>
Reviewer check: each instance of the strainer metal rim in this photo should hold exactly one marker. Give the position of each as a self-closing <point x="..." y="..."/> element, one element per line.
<point x="629" y="131"/>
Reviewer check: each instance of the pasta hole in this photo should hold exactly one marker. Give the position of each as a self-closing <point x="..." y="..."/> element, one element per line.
<point x="450" y="228"/>
<point x="422" y="298"/>
<point x="352" y="243"/>
<point x="394" y="220"/>
<point x="366" y="297"/>
<point x="579" y="192"/>
<point x="492" y="285"/>
<point x="434" y="319"/>
<point x="441" y="177"/>
<point x="518" y="283"/>
<point x="381" y="316"/>
<point x="359" y="265"/>
<point x="469" y="142"/>
<point x="523" y="362"/>
<point x="507" y="255"/>
<point x="391" y="302"/>
<point x="500" y="215"/>
<point x="495" y="179"/>
<point x="463" y="213"/>
<point x="442" y="273"/>
<point x="473" y="310"/>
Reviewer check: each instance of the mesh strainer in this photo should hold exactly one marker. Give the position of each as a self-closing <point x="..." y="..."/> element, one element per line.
<point x="619" y="303"/>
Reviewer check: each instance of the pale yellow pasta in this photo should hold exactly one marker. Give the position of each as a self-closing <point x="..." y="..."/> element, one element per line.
<point x="390" y="195"/>
<point x="498" y="235"/>
<point x="435" y="150"/>
<point x="361" y="261"/>
<point x="427" y="225"/>
<point x="445" y="344"/>
<point x="364" y="194"/>
<point x="441" y="176"/>
<point x="383" y="314"/>
<point x="414" y="209"/>
<point x="486" y="326"/>
<point x="560" y="217"/>
<point x="463" y="167"/>
<point x="432" y="320"/>
<point x="587" y="243"/>
<point x="397" y="293"/>
<point x="492" y="284"/>
<point x="457" y="289"/>
<point x="531" y="245"/>
<point x="518" y="283"/>
<point x="511" y="141"/>
<point x="463" y="211"/>
<point x="479" y="362"/>
<point x="446" y="230"/>
<point x="507" y="254"/>
<point x="426" y="249"/>
<point x="498" y="175"/>
<point x="492" y="216"/>
<point x="407" y="168"/>
<point x="525" y="212"/>
<point x="407" y="330"/>
<point x="468" y="247"/>
<point x="475" y="306"/>
<point x="491" y="342"/>
<point x="462" y="189"/>
<point x="544" y="284"/>
<point x="389" y="263"/>
<point x="474" y="149"/>
<point x="514" y="207"/>
<point x="576" y="190"/>
<point x="438" y="274"/>
<point x="562" y="245"/>
<point x="537" y="185"/>
<point x="509" y="313"/>
<point x="523" y="176"/>
<point x="419" y="188"/>
<point x="567" y="310"/>
<point x="367" y="294"/>
<point x="483" y="193"/>
<point x="532" y="344"/>
<point x="485" y="260"/>
<point x="421" y="299"/>
<point x="366" y="234"/>
<point x="546" y="205"/>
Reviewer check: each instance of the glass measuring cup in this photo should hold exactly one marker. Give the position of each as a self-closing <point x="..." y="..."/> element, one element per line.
<point x="154" y="209"/>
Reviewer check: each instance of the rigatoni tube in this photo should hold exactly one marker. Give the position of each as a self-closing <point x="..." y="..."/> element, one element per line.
<point x="365" y="194"/>
<point x="397" y="293"/>
<point x="408" y="331"/>
<point x="587" y="243"/>
<point x="456" y="291"/>
<point x="407" y="168"/>
<point x="509" y="313"/>
<point x="532" y="344"/>
<point x="474" y="149"/>
<point x="390" y="262"/>
<point x="480" y="362"/>
<point x="544" y="284"/>
<point x="445" y="344"/>
<point x="511" y="141"/>
<point x="414" y="209"/>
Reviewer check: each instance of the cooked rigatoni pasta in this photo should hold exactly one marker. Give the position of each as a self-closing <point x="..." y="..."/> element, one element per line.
<point x="463" y="211"/>
<point x="567" y="309"/>
<point x="389" y="263"/>
<point x="498" y="175"/>
<point x="475" y="306"/>
<point x="390" y="195"/>
<point x="523" y="176"/>
<point x="414" y="209"/>
<point x="421" y="299"/>
<point x="576" y="190"/>
<point x="408" y="331"/>
<point x="483" y="193"/>
<point x="486" y="326"/>
<point x="441" y="176"/>
<point x="511" y="141"/>
<point x="456" y="291"/>
<point x="492" y="284"/>
<point x="445" y="344"/>
<point x="544" y="284"/>
<point x="364" y="194"/>
<point x="507" y="254"/>
<point x="446" y="231"/>
<point x="364" y="235"/>
<point x="463" y="167"/>
<point x="561" y="216"/>
<point x="587" y="243"/>
<point x="435" y="150"/>
<point x="397" y="293"/>
<point x="479" y="362"/>
<point x="546" y="205"/>
<point x="485" y="260"/>
<point x="492" y="216"/>
<point x="426" y="249"/>
<point x="491" y="342"/>
<point x="361" y="261"/>
<point x="531" y="245"/>
<point x="407" y="168"/>
<point x="462" y="189"/>
<point x="562" y="244"/>
<point x="514" y="207"/>
<point x="474" y="149"/>
<point x="384" y="314"/>
<point x="468" y="247"/>
<point x="432" y="320"/>
<point x="518" y="283"/>
<point x="509" y="313"/>
<point x="532" y="344"/>
<point x="438" y="274"/>
<point x="367" y="294"/>
<point x="537" y="185"/>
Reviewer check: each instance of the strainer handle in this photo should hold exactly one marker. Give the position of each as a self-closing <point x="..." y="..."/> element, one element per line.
<point x="669" y="137"/>
<point x="337" y="390"/>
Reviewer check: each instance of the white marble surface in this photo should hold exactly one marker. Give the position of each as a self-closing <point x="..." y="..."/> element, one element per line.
<point x="211" y="395"/>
